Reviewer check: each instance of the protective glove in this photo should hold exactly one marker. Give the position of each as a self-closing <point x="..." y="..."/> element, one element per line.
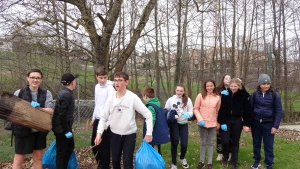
<point x="201" y="123"/>
<point x="35" y="104"/>
<point x="69" y="135"/>
<point x="186" y="115"/>
<point x="225" y="92"/>
<point x="224" y="127"/>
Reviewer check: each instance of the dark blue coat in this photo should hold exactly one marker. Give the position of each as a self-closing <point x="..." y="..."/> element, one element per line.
<point x="266" y="107"/>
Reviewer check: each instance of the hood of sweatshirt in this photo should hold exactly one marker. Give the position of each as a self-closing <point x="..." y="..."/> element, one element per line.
<point x="154" y="101"/>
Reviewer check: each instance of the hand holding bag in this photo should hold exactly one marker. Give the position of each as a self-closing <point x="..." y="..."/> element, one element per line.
<point x="147" y="157"/>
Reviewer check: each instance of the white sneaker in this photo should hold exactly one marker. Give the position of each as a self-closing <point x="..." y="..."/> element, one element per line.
<point x="220" y="157"/>
<point x="229" y="159"/>
<point x="173" y="166"/>
<point x="184" y="163"/>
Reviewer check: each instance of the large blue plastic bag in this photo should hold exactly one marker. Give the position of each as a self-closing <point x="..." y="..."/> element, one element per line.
<point x="49" y="158"/>
<point x="148" y="158"/>
<point x="73" y="164"/>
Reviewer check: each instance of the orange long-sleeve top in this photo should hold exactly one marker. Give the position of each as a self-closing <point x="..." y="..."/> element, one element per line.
<point x="207" y="109"/>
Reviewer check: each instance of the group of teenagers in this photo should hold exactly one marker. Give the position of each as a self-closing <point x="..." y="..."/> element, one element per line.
<point x="226" y="110"/>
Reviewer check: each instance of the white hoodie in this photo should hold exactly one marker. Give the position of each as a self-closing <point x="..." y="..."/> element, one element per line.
<point x="175" y="103"/>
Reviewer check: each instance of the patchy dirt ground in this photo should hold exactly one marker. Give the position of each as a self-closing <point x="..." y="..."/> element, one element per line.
<point x="86" y="162"/>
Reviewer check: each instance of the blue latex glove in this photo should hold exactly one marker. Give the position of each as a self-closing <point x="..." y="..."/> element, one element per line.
<point x="69" y="135"/>
<point x="224" y="127"/>
<point x="186" y="115"/>
<point x="201" y="123"/>
<point x="225" y="92"/>
<point x="35" y="104"/>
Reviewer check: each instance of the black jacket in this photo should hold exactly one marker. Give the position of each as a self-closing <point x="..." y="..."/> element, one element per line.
<point x="236" y="104"/>
<point x="63" y="116"/>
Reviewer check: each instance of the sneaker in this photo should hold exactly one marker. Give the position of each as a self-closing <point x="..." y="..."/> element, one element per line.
<point x="220" y="157"/>
<point x="173" y="166"/>
<point x="200" y="165"/>
<point x="234" y="165"/>
<point x="269" y="167"/>
<point x="184" y="163"/>
<point x="209" y="166"/>
<point x="225" y="162"/>
<point x="255" y="165"/>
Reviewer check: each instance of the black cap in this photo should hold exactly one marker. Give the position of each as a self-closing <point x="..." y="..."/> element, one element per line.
<point x="67" y="78"/>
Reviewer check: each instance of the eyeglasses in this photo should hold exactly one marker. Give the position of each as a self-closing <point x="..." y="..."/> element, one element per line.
<point x="35" y="78"/>
<point x="118" y="80"/>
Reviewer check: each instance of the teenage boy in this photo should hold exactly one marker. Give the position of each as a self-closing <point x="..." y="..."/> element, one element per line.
<point x="30" y="141"/>
<point x="160" y="133"/>
<point x="119" y="110"/>
<point x="103" y="89"/>
<point x="62" y="120"/>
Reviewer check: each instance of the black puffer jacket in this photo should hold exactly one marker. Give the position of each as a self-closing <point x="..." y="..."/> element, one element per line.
<point x="63" y="116"/>
<point x="236" y="104"/>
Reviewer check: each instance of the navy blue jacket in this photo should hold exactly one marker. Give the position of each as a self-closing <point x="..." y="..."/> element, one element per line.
<point x="266" y="108"/>
<point x="160" y="134"/>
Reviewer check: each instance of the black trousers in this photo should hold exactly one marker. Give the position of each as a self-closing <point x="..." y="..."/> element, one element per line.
<point x="64" y="149"/>
<point x="234" y="129"/>
<point x="122" y="144"/>
<point x="102" y="151"/>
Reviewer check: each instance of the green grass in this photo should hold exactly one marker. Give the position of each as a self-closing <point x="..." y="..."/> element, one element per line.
<point x="286" y="150"/>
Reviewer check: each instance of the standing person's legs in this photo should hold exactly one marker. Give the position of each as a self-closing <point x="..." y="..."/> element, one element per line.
<point x="174" y="135"/>
<point x="183" y="135"/>
<point x="203" y="142"/>
<point x="236" y="129"/>
<point x="39" y="145"/>
<point x="210" y="143"/>
<point x="18" y="160"/>
<point x="116" y="150"/>
<point x="37" y="159"/>
<point x="128" y="149"/>
<point x="95" y="148"/>
<point x="64" y="149"/>
<point x="104" y="150"/>
<point x="225" y="136"/>
<point x="23" y="145"/>
<point x="257" y="139"/>
<point x="268" y="140"/>
<point x="219" y="145"/>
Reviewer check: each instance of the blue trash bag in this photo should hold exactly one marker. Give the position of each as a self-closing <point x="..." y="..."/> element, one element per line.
<point x="147" y="158"/>
<point x="73" y="164"/>
<point x="49" y="158"/>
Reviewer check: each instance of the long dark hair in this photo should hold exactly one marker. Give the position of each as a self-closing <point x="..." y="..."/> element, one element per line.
<point x="221" y="86"/>
<point x="184" y="97"/>
<point x="204" y="91"/>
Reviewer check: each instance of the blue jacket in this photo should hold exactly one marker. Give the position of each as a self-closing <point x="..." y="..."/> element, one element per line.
<point x="266" y="108"/>
<point x="160" y="134"/>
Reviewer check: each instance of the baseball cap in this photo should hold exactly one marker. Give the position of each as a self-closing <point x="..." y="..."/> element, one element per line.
<point x="67" y="78"/>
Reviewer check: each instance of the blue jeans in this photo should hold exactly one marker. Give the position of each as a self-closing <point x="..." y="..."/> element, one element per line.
<point x="262" y="131"/>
